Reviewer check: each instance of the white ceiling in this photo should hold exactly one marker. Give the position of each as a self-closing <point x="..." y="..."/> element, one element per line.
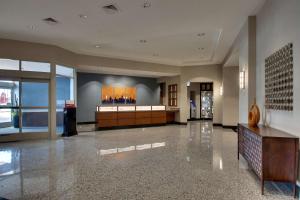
<point x="169" y="26"/>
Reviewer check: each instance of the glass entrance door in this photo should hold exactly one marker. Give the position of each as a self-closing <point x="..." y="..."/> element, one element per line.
<point x="9" y="107"/>
<point x="24" y="106"/>
<point x="34" y="106"/>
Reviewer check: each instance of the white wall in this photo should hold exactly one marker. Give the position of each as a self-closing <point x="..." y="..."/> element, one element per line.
<point x="243" y="66"/>
<point x="277" y="25"/>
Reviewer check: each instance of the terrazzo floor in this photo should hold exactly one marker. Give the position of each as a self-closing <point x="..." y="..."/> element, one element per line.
<point x="196" y="161"/>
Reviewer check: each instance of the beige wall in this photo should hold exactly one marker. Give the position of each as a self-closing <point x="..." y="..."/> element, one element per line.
<point x="243" y="66"/>
<point x="181" y="75"/>
<point x="207" y="73"/>
<point x="170" y="81"/>
<point x="196" y="88"/>
<point x="12" y="49"/>
<point x="230" y="112"/>
<point x="245" y="45"/>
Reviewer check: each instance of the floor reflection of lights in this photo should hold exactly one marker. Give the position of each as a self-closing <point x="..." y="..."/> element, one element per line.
<point x="131" y="148"/>
<point x="9" y="162"/>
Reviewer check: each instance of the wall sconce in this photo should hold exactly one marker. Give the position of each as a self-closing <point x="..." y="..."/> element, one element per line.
<point x="188" y="84"/>
<point x="221" y="90"/>
<point x="242" y="79"/>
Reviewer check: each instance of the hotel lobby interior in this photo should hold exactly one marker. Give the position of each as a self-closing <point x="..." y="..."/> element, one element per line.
<point x="149" y="99"/>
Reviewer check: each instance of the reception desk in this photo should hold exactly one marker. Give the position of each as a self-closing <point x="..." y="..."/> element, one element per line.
<point x="129" y="116"/>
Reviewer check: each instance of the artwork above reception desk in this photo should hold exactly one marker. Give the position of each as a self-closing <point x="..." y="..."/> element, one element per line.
<point x="129" y="116"/>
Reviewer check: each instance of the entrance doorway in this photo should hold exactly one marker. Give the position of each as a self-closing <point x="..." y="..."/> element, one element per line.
<point x="24" y="107"/>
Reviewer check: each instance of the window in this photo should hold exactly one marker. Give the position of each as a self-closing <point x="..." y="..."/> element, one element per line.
<point x="35" y="66"/>
<point x="8" y="64"/>
<point x="64" y="71"/>
<point x="172" y="95"/>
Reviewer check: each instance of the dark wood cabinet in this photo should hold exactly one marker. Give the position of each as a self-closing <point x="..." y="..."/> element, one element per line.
<point x="172" y="95"/>
<point x="272" y="154"/>
<point x="170" y="116"/>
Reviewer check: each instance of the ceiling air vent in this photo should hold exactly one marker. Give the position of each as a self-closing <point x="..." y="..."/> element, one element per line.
<point x="111" y="9"/>
<point x="50" y="21"/>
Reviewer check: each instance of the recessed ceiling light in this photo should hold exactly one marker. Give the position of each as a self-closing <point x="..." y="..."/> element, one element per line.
<point x="98" y="46"/>
<point x="31" y="27"/>
<point x="143" y="41"/>
<point x="83" y="16"/>
<point x="147" y="4"/>
<point x="201" y="34"/>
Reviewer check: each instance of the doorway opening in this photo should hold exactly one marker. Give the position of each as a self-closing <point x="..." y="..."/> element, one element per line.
<point x="200" y="97"/>
<point x="24" y="106"/>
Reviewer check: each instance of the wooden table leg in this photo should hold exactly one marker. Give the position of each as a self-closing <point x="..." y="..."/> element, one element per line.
<point x="262" y="186"/>
<point x="295" y="190"/>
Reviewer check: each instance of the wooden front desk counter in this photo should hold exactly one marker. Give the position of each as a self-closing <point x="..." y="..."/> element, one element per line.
<point x="114" y="119"/>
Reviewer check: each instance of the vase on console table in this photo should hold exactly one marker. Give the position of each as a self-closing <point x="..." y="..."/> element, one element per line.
<point x="266" y="118"/>
<point x="254" y="115"/>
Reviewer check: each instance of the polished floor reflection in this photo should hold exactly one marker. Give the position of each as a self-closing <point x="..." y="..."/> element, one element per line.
<point x="195" y="161"/>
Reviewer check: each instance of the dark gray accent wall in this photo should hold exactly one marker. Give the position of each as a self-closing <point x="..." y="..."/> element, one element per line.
<point x="89" y="91"/>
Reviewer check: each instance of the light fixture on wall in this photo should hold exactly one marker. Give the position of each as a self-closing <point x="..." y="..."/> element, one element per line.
<point x="221" y="90"/>
<point x="242" y="79"/>
<point x="188" y="84"/>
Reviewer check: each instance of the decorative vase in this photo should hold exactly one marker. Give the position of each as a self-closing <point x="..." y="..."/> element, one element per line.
<point x="254" y="115"/>
<point x="266" y="117"/>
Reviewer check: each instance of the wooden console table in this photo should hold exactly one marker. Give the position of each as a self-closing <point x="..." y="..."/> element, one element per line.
<point x="272" y="154"/>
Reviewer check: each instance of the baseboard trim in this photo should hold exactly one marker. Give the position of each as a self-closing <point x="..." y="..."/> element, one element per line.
<point x="217" y="124"/>
<point x="229" y="127"/>
<point x="200" y="119"/>
<point x="193" y="119"/>
<point x="177" y="123"/>
<point x="82" y="123"/>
